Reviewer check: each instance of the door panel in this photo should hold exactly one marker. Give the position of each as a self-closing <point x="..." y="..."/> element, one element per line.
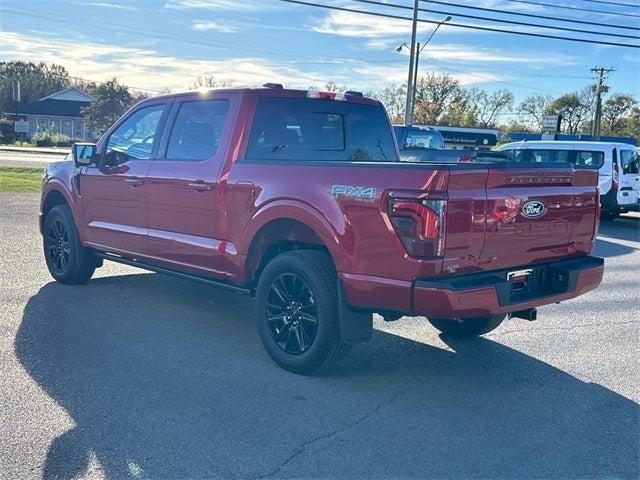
<point x="185" y="214"/>
<point x="114" y="193"/>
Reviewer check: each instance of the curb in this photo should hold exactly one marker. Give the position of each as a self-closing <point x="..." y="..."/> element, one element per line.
<point x="46" y="151"/>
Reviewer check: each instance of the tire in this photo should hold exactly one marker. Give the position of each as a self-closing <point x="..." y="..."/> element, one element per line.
<point x="297" y="311"/>
<point x="467" y="327"/>
<point x="609" y="215"/>
<point x="67" y="260"/>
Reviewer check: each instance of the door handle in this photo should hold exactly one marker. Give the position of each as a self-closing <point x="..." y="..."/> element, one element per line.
<point x="133" y="182"/>
<point x="199" y="186"/>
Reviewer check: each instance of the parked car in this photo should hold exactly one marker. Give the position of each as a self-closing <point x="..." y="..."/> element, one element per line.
<point x="617" y="164"/>
<point x="298" y="199"/>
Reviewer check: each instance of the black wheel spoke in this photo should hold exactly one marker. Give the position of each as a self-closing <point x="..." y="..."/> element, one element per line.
<point x="291" y="313"/>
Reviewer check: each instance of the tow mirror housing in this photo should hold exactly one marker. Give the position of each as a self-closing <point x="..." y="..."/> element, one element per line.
<point x="83" y="153"/>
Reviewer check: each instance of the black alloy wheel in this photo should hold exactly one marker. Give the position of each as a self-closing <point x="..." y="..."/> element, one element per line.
<point x="58" y="247"/>
<point x="292" y="313"/>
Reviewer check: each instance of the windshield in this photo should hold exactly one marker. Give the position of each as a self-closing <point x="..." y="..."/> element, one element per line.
<point x="423" y="139"/>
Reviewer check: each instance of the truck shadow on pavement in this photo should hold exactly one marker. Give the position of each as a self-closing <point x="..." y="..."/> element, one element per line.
<point x="167" y="379"/>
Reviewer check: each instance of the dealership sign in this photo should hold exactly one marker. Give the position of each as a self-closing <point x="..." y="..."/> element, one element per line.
<point x="551" y="123"/>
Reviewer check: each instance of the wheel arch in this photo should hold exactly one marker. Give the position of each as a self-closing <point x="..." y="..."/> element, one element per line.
<point x="291" y="227"/>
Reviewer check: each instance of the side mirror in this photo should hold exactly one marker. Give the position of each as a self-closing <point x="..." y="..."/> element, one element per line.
<point x="83" y="153"/>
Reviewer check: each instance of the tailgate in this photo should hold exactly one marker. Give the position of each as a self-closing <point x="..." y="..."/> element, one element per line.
<point x="536" y="214"/>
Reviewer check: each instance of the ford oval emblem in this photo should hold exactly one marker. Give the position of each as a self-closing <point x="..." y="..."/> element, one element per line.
<point x="533" y="209"/>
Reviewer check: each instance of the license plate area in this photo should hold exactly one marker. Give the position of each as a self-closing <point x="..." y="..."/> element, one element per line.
<point x="527" y="284"/>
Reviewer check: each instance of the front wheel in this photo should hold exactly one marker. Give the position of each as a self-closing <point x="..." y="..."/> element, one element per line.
<point x="67" y="260"/>
<point x="467" y="327"/>
<point x="297" y="311"/>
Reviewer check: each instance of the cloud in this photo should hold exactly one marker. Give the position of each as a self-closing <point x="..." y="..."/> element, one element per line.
<point x="348" y="24"/>
<point x="116" y="6"/>
<point x="146" y="68"/>
<point x="207" y="25"/>
<point x="387" y="33"/>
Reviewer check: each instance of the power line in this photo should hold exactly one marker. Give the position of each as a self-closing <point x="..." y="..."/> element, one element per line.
<point x="157" y="34"/>
<point x="567" y="7"/>
<point x="460" y="25"/>
<point x="511" y="22"/>
<point x="617" y="4"/>
<point x="533" y="15"/>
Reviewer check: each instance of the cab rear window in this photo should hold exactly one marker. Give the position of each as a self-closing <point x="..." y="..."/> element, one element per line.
<point x="320" y="130"/>
<point x="579" y="158"/>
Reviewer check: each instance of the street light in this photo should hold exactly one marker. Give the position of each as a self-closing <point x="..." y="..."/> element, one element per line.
<point x="412" y="86"/>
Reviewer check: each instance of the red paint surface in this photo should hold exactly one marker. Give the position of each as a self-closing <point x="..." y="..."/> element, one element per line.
<point x="168" y="220"/>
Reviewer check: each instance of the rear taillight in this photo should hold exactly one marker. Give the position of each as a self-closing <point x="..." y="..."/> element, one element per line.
<point x="419" y="222"/>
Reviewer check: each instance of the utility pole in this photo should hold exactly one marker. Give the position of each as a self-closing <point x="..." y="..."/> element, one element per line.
<point x="408" y="114"/>
<point x="599" y="88"/>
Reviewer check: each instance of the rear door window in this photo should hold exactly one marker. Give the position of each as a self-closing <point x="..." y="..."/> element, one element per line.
<point x="197" y="130"/>
<point x="629" y="160"/>
<point x="320" y="130"/>
<point x="581" y="159"/>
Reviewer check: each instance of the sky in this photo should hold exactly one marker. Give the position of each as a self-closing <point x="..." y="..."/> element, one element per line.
<point x="166" y="44"/>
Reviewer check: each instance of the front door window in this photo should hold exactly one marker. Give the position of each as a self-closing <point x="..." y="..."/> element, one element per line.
<point x="134" y="138"/>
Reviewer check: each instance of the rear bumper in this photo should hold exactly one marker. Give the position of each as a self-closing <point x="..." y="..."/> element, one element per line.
<point x="479" y="294"/>
<point x="485" y="294"/>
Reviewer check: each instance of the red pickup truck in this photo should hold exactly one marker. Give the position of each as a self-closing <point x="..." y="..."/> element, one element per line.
<point x="298" y="198"/>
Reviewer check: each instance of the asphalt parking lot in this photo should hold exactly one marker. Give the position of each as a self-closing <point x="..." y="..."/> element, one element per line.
<point x="141" y="376"/>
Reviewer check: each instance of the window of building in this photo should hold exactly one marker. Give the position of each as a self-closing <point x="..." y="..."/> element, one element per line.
<point x="77" y="129"/>
<point x="197" y="130"/>
<point x="66" y="127"/>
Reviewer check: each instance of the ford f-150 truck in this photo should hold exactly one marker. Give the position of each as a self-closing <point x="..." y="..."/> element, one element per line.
<point x="299" y="199"/>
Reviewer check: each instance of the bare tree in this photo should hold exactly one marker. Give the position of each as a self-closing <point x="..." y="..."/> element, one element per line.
<point x="532" y="110"/>
<point x="393" y="98"/>
<point x="489" y="106"/>
<point x="209" y="81"/>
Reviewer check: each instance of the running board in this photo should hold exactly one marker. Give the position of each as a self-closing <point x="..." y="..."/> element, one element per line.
<point x="173" y="273"/>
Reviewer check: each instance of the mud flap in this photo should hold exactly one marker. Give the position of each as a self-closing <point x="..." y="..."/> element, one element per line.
<point x="355" y="326"/>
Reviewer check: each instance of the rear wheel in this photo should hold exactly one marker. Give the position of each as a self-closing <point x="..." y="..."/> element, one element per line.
<point x="467" y="327"/>
<point x="297" y="311"/>
<point x="67" y="260"/>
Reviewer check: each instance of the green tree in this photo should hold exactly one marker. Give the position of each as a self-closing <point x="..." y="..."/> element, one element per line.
<point x="461" y="111"/>
<point x="112" y="100"/>
<point x="575" y="111"/>
<point x="36" y="81"/>
<point x="616" y="111"/>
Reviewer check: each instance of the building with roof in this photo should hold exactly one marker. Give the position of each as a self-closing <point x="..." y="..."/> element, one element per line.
<point x="58" y="113"/>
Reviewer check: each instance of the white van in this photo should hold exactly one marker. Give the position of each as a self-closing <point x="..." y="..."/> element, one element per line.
<point x="617" y="163"/>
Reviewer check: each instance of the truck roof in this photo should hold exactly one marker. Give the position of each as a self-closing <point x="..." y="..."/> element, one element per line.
<point x="565" y="143"/>
<point x="278" y="92"/>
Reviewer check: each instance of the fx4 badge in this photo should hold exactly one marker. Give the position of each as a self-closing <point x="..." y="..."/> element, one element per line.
<point x="533" y="209"/>
<point x="360" y="193"/>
